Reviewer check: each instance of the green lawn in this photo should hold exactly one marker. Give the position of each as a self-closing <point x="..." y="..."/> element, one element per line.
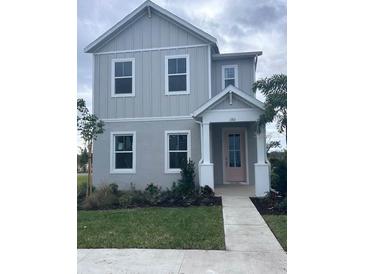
<point x="277" y="224"/>
<point x="176" y="228"/>
<point x="81" y="182"/>
<point x="81" y="178"/>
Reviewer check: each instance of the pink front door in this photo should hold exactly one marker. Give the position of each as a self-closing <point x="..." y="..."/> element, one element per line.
<point x="234" y="160"/>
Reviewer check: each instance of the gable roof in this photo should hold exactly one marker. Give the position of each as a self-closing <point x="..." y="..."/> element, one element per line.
<point x="230" y="89"/>
<point x="147" y="5"/>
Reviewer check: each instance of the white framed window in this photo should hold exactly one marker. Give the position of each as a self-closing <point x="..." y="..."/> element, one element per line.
<point x="177" y="149"/>
<point x="123" y="77"/>
<point x="123" y="152"/>
<point x="177" y="74"/>
<point x="229" y="76"/>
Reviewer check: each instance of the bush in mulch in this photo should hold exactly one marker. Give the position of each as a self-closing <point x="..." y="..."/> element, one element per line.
<point x="272" y="203"/>
<point x="182" y="194"/>
<point x="278" y="174"/>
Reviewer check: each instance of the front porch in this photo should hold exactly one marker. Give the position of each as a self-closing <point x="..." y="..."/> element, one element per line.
<point x="233" y="152"/>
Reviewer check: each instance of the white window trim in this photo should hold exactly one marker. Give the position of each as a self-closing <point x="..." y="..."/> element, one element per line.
<point x="113" y="170"/>
<point x="187" y="91"/>
<point x="113" y="94"/>
<point x="167" y="156"/>
<point x="235" y="75"/>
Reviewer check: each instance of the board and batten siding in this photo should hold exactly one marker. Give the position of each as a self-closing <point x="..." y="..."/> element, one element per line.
<point x="246" y="74"/>
<point x="150" y="99"/>
<point x="144" y="32"/>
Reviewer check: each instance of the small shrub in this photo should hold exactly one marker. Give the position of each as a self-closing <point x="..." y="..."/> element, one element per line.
<point x="132" y="198"/>
<point x="187" y="181"/>
<point x="278" y="175"/>
<point x="183" y="193"/>
<point x="152" y="189"/>
<point x="102" y="198"/>
<point x="113" y="188"/>
<point x="81" y="192"/>
<point x="281" y="206"/>
<point x="206" y="192"/>
<point x="125" y="200"/>
<point x="152" y="194"/>
<point x="272" y="203"/>
<point x="185" y="188"/>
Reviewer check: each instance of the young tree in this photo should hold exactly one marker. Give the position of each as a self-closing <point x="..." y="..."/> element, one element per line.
<point x="83" y="158"/>
<point x="274" y="88"/>
<point x="89" y="126"/>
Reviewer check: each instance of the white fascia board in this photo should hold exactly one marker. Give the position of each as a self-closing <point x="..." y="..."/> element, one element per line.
<point x="106" y="34"/>
<point x="248" y="98"/>
<point x="130" y="16"/>
<point x="236" y="55"/>
<point x="182" y="22"/>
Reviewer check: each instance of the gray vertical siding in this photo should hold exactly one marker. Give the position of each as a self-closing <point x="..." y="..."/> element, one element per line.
<point x="236" y="103"/>
<point x="157" y="31"/>
<point x="245" y="74"/>
<point x="150" y="99"/>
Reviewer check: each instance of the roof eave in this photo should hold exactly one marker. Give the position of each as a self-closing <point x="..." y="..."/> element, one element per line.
<point x="237" y="55"/>
<point x="89" y="48"/>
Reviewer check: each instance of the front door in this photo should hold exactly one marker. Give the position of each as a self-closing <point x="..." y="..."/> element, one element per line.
<point x="234" y="160"/>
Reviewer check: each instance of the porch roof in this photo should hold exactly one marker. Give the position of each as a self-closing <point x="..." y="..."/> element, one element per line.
<point x="228" y="90"/>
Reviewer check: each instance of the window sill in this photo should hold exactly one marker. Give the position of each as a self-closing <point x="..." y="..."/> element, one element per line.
<point x="172" y="171"/>
<point x="177" y="92"/>
<point x="123" y="171"/>
<point x="124" y="95"/>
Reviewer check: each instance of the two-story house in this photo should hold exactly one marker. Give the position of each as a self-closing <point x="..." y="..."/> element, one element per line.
<point x="167" y="95"/>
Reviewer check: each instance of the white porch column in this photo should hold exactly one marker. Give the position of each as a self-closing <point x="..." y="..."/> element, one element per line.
<point x="206" y="174"/>
<point x="262" y="173"/>
<point x="206" y="143"/>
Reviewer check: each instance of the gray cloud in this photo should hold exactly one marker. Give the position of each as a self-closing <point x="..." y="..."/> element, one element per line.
<point x="238" y="25"/>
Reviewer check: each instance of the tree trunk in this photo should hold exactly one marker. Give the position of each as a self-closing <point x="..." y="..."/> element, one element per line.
<point x="89" y="178"/>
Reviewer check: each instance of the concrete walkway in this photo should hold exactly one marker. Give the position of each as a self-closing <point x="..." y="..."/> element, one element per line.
<point x="245" y="229"/>
<point x="251" y="247"/>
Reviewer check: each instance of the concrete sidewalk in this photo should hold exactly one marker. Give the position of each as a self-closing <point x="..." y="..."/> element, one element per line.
<point x="251" y="247"/>
<point x="161" y="261"/>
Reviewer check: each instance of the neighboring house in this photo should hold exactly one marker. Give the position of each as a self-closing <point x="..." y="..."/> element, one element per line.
<point x="166" y="94"/>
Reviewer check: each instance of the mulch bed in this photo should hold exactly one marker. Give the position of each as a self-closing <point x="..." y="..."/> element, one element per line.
<point x="271" y="204"/>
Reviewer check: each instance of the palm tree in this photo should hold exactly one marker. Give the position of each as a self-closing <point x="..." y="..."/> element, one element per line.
<point x="274" y="88"/>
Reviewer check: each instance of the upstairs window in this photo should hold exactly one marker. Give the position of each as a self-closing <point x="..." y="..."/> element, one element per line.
<point x="122" y="77"/>
<point x="177" y="75"/>
<point x="229" y="76"/>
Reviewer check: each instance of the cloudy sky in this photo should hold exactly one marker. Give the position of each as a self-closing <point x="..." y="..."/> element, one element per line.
<point x="238" y="25"/>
